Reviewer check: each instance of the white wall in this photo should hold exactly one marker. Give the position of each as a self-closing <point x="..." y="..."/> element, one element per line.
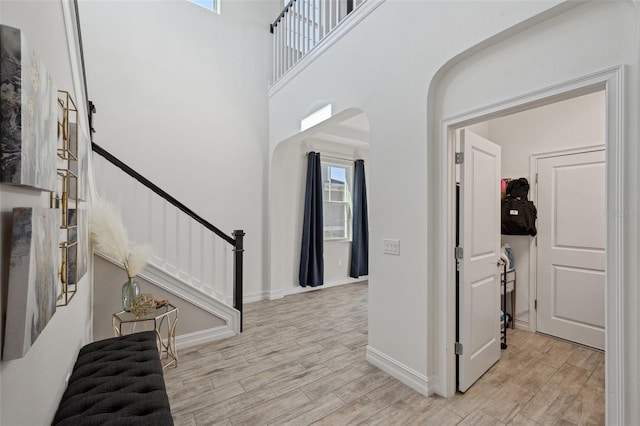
<point x="181" y="97"/>
<point x="580" y="42"/>
<point x="287" y="194"/>
<point x="574" y="123"/>
<point x="387" y="74"/>
<point x="31" y="387"/>
<point x="407" y="83"/>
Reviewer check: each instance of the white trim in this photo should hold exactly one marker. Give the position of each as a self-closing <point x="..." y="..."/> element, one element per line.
<point x="255" y="296"/>
<point x="298" y="290"/>
<point x="194" y="296"/>
<point x="275" y="294"/>
<point x="187" y="340"/>
<point x="614" y="84"/>
<point x="330" y="39"/>
<point x="173" y="285"/>
<point x="533" y="248"/>
<point x="614" y="345"/>
<point x="523" y="325"/>
<point x="406" y="375"/>
<point x="280" y="293"/>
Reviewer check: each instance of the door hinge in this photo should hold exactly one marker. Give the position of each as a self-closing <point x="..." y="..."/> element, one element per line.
<point x="536" y="178"/>
<point x="459" y="157"/>
<point x="458" y="348"/>
<point x="535" y="304"/>
<point x="458" y="253"/>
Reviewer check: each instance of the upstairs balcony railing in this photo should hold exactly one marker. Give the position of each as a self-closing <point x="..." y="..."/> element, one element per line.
<point x="303" y="24"/>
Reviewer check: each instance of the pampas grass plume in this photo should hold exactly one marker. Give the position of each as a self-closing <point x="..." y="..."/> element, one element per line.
<point x="108" y="232"/>
<point x="138" y="257"/>
<point x="109" y="236"/>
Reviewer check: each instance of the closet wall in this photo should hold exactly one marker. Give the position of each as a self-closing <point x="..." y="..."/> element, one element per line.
<point x="574" y="123"/>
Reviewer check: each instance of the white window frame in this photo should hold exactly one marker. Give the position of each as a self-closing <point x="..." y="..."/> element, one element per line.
<point x="215" y="5"/>
<point x="347" y="202"/>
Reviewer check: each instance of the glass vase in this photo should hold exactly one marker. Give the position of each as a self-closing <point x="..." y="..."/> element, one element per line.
<point x="130" y="289"/>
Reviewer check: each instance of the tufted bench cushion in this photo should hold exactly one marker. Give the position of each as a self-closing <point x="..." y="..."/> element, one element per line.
<point x="117" y="381"/>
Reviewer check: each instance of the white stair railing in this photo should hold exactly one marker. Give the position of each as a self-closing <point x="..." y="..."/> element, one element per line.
<point x="303" y="24"/>
<point x="182" y="247"/>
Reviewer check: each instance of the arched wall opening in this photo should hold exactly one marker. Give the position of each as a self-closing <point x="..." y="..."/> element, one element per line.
<point x="345" y="137"/>
<point x="506" y="77"/>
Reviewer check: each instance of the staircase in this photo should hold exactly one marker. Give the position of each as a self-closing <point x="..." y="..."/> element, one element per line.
<point x="192" y="259"/>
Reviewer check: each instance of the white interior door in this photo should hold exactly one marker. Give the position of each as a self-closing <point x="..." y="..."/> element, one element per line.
<point x="479" y="290"/>
<point x="571" y="247"/>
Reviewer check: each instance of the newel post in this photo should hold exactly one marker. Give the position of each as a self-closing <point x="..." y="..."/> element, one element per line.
<point x="238" y="251"/>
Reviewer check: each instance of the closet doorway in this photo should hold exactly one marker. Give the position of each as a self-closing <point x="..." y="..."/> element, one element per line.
<point x="559" y="148"/>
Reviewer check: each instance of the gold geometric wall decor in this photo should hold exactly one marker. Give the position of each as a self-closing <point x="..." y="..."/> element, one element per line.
<point x="67" y="197"/>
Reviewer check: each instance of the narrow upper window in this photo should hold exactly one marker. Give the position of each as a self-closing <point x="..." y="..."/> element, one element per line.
<point x="336" y="197"/>
<point x="315" y="117"/>
<point x="212" y="5"/>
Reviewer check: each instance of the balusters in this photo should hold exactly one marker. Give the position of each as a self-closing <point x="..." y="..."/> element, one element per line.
<point x="158" y="219"/>
<point x="302" y="25"/>
<point x="185" y="245"/>
<point x="297" y="16"/>
<point x="305" y="25"/>
<point x="183" y="234"/>
<point x="290" y="39"/>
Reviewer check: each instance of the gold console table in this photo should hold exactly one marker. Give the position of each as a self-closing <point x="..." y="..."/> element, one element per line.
<point x="164" y="321"/>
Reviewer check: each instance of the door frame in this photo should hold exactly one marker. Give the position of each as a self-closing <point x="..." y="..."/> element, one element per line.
<point x="533" y="253"/>
<point x="612" y="81"/>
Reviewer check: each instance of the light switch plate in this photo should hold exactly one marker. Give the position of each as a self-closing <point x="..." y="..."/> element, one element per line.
<point x="391" y="246"/>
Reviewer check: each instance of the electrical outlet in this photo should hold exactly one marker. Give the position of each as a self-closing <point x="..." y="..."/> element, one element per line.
<point x="391" y="246"/>
<point x="339" y="262"/>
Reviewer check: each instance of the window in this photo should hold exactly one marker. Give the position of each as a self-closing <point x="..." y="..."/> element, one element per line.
<point x="336" y="196"/>
<point x="315" y="117"/>
<point x="211" y="5"/>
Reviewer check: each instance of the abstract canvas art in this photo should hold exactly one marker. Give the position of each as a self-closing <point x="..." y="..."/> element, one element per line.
<point x="33" y="278"/>
<point x="81" y="236"/>
<point x="28" y="115"/>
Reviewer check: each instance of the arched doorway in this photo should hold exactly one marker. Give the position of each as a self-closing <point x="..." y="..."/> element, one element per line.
<point x="344" y="138"/>
<point x="444" y="242"/>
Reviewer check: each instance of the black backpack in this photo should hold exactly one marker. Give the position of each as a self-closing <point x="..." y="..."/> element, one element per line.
<point x="518" y="213"/>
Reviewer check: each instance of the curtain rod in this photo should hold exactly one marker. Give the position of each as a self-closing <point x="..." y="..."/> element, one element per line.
<point x="333" y="157"/>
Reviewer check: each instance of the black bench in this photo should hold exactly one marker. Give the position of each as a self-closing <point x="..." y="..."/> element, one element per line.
<point x="117" y="381"/>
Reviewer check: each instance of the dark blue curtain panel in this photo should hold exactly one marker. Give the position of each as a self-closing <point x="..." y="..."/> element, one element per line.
<point x="311" y="254"/>
<point x="360" y="240"/>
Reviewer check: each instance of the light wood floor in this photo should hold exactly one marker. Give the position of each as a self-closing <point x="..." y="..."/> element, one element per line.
<point x="301" y="360"/>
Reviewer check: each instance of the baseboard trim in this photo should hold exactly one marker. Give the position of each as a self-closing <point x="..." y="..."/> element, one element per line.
<point x="522" y="325"/>
<point x="275" y="294"/>
<point x="187" y="340"/>
<point x="255" y="297"/>
<point x="406" y="375"/>
<point x="297" y="290"/>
